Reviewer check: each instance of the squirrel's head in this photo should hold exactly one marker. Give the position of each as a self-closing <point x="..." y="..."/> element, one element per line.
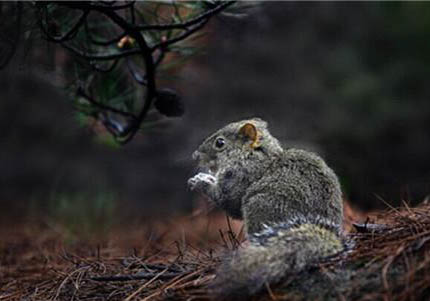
<point x="237" y="155"/>
<point x="242" y="137"/>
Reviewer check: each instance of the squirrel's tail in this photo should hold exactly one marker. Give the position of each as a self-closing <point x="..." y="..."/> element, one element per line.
<point x="272" y="255"/>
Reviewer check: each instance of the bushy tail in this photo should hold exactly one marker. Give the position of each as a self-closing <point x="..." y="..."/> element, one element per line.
<point x="273" y="255"/>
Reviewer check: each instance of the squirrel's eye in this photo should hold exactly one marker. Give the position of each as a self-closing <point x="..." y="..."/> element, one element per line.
<point x="219" y="142"/>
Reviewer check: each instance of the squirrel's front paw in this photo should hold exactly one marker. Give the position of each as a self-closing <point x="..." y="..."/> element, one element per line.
<point x="201" y="181"/>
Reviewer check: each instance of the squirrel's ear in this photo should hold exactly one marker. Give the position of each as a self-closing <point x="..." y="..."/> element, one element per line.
<point x="250" y="132"/>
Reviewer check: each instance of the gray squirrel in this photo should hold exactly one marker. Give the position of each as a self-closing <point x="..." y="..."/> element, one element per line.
<point x="289" y="199"/>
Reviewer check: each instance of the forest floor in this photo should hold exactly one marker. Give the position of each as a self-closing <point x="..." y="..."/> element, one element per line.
<point x="175" y="259"/>
<point x="139" y="261"/>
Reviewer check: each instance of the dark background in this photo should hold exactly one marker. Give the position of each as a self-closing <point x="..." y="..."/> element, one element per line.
<point x="347" y="80"/>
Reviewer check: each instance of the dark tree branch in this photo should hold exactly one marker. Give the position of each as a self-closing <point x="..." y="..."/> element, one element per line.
<point x="145" y="51"/>
<point x="137" y="74"/>
<point x="135" y="45"/>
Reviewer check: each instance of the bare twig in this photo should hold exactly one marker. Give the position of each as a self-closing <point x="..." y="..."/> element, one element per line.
<point x="184" y="25"/>
<point x="102" y="56"/>
<point x="140" y="276"/>
<point x="131" y="296"/>
<point x="107" y="42"/>
<point x="182" y="36"/>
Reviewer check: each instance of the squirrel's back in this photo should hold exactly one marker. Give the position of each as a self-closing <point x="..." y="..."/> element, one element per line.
<point x="325" y="199"/>
<point x="297" y="187"/>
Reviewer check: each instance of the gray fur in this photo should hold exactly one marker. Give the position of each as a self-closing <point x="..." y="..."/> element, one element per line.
<point x="290" y="201"/>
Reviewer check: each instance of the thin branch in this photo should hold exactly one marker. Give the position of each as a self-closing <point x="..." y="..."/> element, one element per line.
<point x="106" y="70"/>
<point x="120" y="6"/>
<point x="138" y="74"/>
<point x="177" y="13"/>
<point x="180" y="37"/>
<point x="97" y="5"/>
<point x="140" y="276"/>
<point x="99" y="105"/>
<point x="208" y="14"/>
<point x="107" y="42"/>
<point x="100" y="42"/>
<point x="145" y="51"/>
<point x="132" y="15"/>
<point x="70" y="34"/>
<point x="102" y="57"/>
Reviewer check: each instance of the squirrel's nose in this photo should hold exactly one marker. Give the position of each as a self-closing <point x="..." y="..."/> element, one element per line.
<point x="196" y="155"/>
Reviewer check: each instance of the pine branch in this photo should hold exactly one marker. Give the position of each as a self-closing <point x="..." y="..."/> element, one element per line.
<point x="131" y="43"/>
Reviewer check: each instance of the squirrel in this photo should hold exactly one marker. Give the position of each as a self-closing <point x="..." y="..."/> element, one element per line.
<point x="289" y="199"/>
